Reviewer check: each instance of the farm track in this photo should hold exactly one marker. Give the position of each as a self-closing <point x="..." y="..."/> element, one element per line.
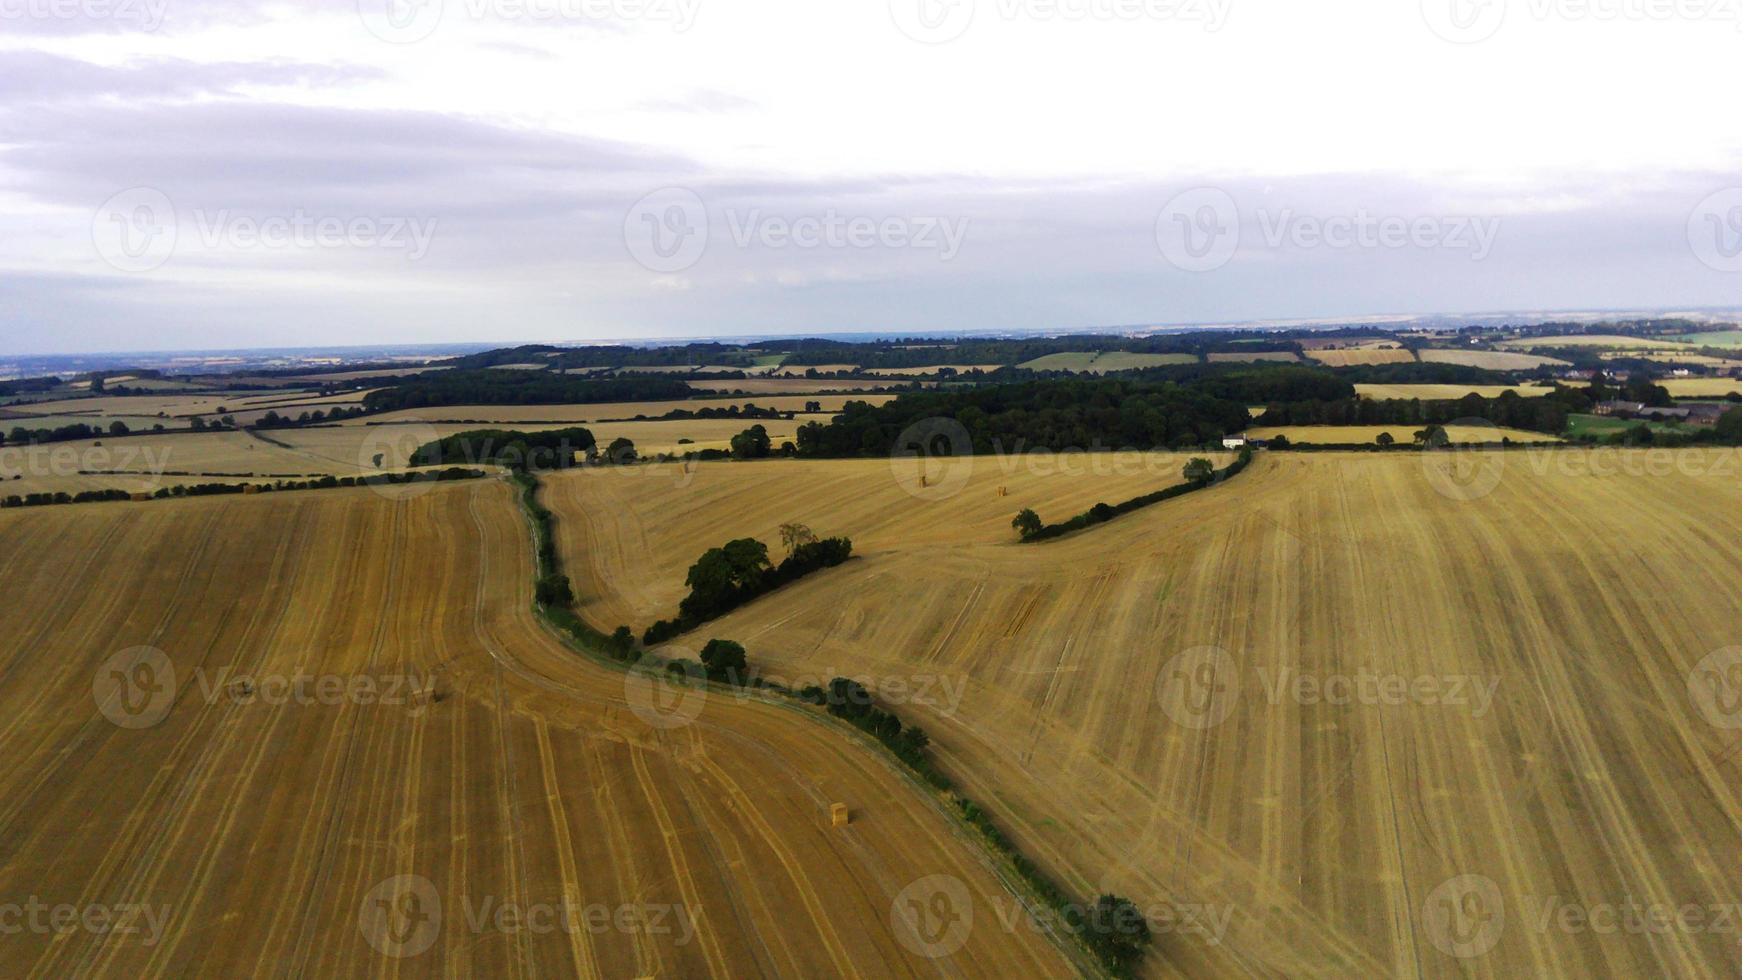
<point x="1326" y="830"/>
<point x="261" y="827"/>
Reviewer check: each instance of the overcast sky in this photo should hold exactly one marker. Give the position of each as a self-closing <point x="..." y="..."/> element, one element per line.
<point x="230" y="173"/>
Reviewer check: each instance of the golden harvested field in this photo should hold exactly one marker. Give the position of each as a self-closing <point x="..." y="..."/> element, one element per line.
<point x="1595" y="340"/>
<point x="1253" y="356"/>
<point x="55" y="467"/>
<point x="1702" y="387"/>
<point x="276" y="823"/>
<point x="581" y="414"/>
<point x="1369" y="355"/>
<point x="1101" y="362"/>
<point x="1351" y="434"/>
<point x="1352" y="715"/>
<point x="1492" y="360"/>
<point x="615" y="531"/>
<point x="1428" y="392"/>
<point x="798" y="370"/>
<point x="794" y="386"/>
<point x="910" y="372"/>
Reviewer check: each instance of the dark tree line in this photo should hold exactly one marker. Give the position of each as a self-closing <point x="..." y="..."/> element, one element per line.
<point x="492" y="386"/>
<point x="551" y="449"/>
<point x="1510" y="410"/>
<point x="726" y="577"/>
<point x="1044" y="415"/>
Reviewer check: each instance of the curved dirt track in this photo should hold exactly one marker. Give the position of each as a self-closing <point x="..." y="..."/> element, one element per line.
<point x="264" y="828"/>
<point x="1333" y="827"/>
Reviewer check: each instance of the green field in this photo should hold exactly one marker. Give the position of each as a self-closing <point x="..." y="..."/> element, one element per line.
<point x="1101" y="362"/>
<point x="1731" y="339"/>
<point x="1603" y="425"/>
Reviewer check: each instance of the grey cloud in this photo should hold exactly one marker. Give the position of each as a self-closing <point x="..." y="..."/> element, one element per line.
<point x="36" y="76"/>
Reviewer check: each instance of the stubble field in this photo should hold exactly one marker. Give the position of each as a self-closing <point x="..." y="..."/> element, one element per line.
<point x="269" y="835"/>
<point x="1349" y="715"/>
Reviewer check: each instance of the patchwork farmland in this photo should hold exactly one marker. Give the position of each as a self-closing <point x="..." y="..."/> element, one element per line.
<point x="507" y="772"/>
<point x="1574" y="764"/>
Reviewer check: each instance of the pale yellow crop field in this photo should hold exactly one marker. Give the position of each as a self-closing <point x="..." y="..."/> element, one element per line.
<point x="1221" y="357"/>
<point x="1431" y="392"/>
<point x="1596" y="340"/>
<point x="1366" y="715"/>
<point x="1351" y="434"/>
<point x="1101" y="362"/>
<point x="1702" y="387"/>
<point x="1346" y="357"/>
<point x="792" y="386"/>
<point x="1492" y="360"/>
<point x="910" y="372"/>
<point x="615" y="507"/>
<point x="490" y="804"/>
<point x="512" y="414"/>
<point x="149" y="461"/>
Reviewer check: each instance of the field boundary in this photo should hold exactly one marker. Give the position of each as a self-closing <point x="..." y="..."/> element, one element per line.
<point x="1015" y="871"/>
<point x="1102" y="513"/>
